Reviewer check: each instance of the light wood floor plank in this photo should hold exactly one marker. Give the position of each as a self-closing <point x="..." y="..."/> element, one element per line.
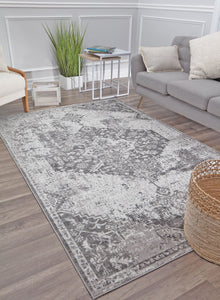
<point x="203" y="291"/>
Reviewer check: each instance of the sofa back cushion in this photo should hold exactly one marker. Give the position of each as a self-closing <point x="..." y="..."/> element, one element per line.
<point x="184" y="50"/>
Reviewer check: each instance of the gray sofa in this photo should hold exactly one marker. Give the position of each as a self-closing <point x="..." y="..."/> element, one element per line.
<point x="197" y="99"/>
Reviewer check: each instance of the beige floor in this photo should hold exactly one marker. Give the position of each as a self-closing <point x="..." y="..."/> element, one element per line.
<point x="35" y="266"/>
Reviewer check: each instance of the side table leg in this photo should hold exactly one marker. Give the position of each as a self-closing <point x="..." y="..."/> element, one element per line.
<point x="119" y="65"/>
<point x="85" y="77"/>
<point x="93" y="86"/>
<point x="79" y="81"/>
<point x="111" y="73"/>
<point x="103" y="72"/>
<point x="100" y="88"/>
<point x="129" y="72"/>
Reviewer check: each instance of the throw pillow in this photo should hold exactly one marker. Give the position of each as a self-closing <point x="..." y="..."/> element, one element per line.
<point x="205" y="57"/>
<point x="3" y="65"/>
<point x="161" y="59"/>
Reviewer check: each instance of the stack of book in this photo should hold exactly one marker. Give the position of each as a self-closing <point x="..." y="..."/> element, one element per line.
<point x="101" y="49"/>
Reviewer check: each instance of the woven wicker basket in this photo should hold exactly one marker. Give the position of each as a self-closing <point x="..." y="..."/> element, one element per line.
<point x="202" y="216"/>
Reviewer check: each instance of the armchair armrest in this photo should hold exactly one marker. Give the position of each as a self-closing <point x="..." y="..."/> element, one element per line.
<point x="25" y="99"/>
<point x="19" y="72"/>
<point x="137" y="65"/>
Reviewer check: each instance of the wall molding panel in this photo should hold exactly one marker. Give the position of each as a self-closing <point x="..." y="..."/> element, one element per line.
<point x="172" y="20"/>
<point x="31" y="18"/>
<point x="129" y="17"/>
<point x="176" y="7"/>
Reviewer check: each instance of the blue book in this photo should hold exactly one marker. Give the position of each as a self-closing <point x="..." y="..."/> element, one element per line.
<point x="98" y="49"/>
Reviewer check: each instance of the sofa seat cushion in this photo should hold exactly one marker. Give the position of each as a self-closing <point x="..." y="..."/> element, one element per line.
<point x="214" y="106"/>
<point x="158" y="81"/>
<point x="10" y="83"/>
<point x="195" y="92"/>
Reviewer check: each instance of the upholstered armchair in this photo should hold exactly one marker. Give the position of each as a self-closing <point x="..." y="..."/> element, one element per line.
<point x="13" y="86"/>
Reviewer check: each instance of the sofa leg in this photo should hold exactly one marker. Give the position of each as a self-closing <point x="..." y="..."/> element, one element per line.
<point x="140" y="102"/>
<point x="25" y="103"/>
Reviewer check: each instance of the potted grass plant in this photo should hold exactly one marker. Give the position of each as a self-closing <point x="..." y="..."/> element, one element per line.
<point x="67" y="42"/>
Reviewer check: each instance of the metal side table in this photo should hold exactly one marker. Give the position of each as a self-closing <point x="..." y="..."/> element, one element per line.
<point x="102" y="58"/>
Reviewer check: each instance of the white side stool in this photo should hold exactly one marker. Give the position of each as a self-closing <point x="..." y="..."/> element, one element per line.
<point x="115" y="84"/>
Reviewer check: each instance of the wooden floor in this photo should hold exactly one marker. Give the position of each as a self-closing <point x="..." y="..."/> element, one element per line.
<point x="34" y="265"/>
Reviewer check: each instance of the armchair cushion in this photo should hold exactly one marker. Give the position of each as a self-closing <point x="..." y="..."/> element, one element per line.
<point x="3" y="65"/>
<point x="10" y="83"/>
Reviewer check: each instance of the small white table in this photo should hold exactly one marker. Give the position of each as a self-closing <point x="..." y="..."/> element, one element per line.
<point x="102" y="58"/>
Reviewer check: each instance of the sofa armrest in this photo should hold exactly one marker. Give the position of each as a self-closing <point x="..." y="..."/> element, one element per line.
<point x="137" y="65"/>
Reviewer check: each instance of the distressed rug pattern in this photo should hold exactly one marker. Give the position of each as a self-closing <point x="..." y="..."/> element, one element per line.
<point x="112" y="182"/>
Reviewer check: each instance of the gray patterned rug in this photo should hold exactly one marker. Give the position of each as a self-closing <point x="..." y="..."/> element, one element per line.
<point x="112" y="182"/>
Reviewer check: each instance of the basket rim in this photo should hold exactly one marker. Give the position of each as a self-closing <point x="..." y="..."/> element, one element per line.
<point x="194" y="180"/>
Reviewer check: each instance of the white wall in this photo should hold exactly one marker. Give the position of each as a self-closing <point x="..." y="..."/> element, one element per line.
<point x="127" y="24"/>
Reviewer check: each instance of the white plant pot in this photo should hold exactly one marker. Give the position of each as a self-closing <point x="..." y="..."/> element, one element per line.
<point x="69" y="83"/>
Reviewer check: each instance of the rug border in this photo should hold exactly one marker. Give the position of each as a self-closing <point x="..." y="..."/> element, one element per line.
<point x="65" y="247"/>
